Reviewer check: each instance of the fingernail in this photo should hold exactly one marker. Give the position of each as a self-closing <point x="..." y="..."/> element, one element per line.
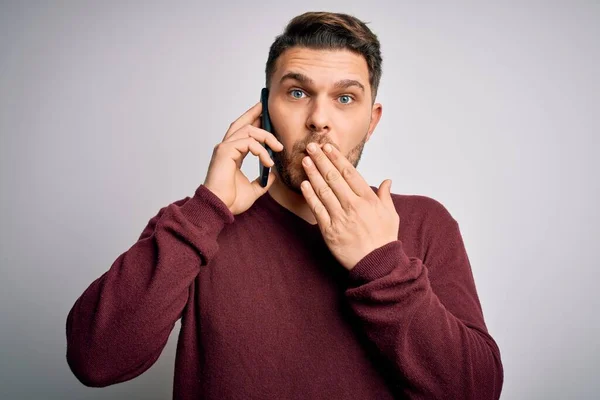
<point x="327" y="148"/>
<point x="312" y="147"/>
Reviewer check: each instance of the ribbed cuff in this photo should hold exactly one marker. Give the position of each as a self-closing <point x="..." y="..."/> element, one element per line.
<point x="379" y="263"/>
<point x="207" y="211"/>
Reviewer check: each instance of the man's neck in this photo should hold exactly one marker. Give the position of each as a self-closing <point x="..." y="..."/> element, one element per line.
<point x="292" y="201"/>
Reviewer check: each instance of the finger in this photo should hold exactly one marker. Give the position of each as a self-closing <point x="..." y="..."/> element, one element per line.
<point x="332" y="176"/>
<point x="259" y="134"/>
<point x="259" y="190"/>
<point x="385" y="193"/>
<point x="322" y="189"/>
<point x="349" y="173"/>
<point x="261" y="152"/>
<point x="245" y="119"/>
<point x="241" y="147"/>
<point x="316" y="205"/>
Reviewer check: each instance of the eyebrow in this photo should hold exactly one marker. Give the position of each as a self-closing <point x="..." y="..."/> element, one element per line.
<point x="305" y="80"/>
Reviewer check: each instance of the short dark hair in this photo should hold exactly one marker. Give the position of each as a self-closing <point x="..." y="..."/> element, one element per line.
<point x="329" y="31"/>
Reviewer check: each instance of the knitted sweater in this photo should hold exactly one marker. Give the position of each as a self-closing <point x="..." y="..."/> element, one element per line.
<point x="267" y="312"/>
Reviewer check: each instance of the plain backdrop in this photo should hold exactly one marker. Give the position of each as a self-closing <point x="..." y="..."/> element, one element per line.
<point x="110" y="111"/>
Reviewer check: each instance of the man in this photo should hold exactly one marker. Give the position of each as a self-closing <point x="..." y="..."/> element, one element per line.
<point x="317" y="286"/>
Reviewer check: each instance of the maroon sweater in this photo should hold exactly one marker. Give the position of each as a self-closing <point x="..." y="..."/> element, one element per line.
<point x="268" y="313"/>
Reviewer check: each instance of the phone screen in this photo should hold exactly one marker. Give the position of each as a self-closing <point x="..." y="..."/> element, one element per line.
<point x="266" y="125"/>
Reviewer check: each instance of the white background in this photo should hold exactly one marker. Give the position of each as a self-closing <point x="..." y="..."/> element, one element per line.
<point x="110" y="111"/>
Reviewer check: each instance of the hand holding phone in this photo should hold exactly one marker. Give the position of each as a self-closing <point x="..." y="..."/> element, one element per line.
<point x="225" y="178"/>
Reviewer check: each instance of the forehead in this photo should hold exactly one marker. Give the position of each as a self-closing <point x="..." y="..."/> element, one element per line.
<point x="323" y="66"/>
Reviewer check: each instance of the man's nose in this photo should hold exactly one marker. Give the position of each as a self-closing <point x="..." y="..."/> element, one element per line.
<point x="318" y="119"/>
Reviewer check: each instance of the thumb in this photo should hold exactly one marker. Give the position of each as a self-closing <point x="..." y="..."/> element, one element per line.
<point x="259" y="190"/>
<point x="385" y="192"/>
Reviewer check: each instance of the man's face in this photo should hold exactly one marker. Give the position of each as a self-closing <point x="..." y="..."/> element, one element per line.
<point x="320" y="96"/>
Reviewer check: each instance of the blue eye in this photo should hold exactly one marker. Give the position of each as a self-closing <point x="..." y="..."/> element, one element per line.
<point x="297" y="94"/>
<point x="345" y="99"/>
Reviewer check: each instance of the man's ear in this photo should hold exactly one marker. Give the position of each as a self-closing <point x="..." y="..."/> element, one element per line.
<point x="376" y="112"/>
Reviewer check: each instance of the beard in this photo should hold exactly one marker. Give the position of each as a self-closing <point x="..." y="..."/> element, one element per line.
<point x="288" y="164"/>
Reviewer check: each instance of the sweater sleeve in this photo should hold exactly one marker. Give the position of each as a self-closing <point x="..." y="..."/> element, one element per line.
<point x="425" y="318"/>
<point x="119" y="326"/>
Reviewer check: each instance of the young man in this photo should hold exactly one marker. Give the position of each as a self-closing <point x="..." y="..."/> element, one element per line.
<point x="317" y="286"/>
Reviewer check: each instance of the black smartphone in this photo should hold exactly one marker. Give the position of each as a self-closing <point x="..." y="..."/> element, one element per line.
<point x="266" y="125"/>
